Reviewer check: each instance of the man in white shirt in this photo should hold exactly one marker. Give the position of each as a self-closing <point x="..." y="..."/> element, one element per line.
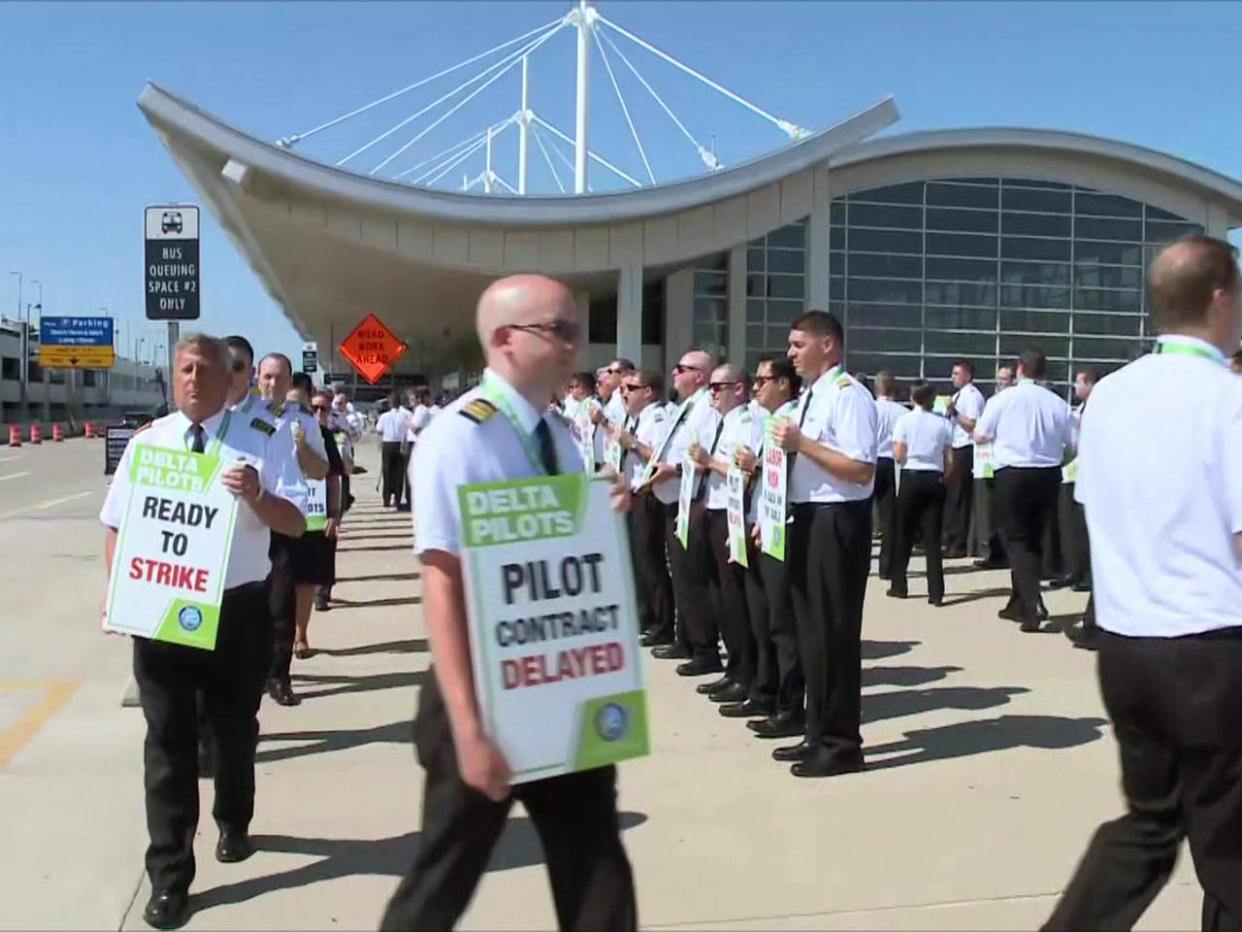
<point x="259" y="469"/>
<point x="532" y="331"/>
<point x="887" y="410"/>
<point x="833" y="442"/>
<point x="392" y="427"/>
<point x="608" y="387"/>
<point x="963" y="410"/>
<point x="1029" y="429"/>
<point x="984" y="534"/>
<point x="642" y="430"/>
<point x="1164" y="509"/>
<point x="738" y="428"/>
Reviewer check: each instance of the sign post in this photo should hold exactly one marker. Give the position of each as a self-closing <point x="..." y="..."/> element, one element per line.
<point x="310" y="357"/>
<point x="76" y="343"/>
<point x="372" y="348"/>
<point x="116" y="439"/>
<point x="172" y="267"/>
<point x="553" y="624"/>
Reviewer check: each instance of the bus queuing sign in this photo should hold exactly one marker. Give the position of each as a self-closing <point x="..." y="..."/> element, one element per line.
<point x="172" y="267"/>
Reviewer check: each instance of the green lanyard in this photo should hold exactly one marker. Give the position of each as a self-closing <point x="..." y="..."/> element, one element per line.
<point x="497" y="396"/>
<point x="1189" y="349"/>
<point x="213" y="448"/>
<point x="682" y="413"/>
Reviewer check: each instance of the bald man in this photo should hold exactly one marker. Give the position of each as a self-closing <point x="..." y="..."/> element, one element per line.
<point x="531" y="331"/>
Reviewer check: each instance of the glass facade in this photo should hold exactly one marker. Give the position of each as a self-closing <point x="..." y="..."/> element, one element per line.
<point x="710" y="324"/>
<point x="775" y="290"/>
<point x="926" y="272"/>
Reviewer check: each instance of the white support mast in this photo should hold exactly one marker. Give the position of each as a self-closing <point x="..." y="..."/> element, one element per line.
<point x="524" y="128"/>
<point x="487" y="171"/>
<point x="584" y="19"/>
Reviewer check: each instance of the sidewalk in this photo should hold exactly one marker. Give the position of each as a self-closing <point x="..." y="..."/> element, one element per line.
<point x="991" y="763"/>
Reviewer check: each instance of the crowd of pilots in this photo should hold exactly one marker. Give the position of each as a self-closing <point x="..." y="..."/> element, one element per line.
<point x="953" y="475"/>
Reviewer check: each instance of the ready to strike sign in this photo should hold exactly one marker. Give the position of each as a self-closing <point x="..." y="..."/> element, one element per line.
<point x="553" y="624"/>
<point x="172" y="549"/>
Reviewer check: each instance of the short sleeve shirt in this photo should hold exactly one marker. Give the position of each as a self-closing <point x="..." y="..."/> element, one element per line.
<point x="925" y="436"/>
<point x="838" y="413"/>
<point x="1029" y="426"/>
<point x="649" y="431"/>
<point x="967" y="401"/>
<point x="740" y="429"/>
<point x="887" y="412"/>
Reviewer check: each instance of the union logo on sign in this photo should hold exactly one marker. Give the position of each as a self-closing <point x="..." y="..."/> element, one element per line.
<point x="372" y="348"/>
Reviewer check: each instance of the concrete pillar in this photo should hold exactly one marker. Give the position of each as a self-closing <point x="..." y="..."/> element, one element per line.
<point x="736" y="306"/>
<point x="630" y="313"/>
<point x="1217" y="222"/>
<point x="817" y="243"/>
<point x="678" y="313"/>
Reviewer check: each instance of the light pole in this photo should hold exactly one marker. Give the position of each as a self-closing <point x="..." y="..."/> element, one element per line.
<point x="24" y="371"/>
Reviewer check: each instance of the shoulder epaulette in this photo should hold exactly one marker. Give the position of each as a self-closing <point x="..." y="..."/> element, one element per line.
<point x="478" y="410"/>
<point x="276" y="409"/>
<point x="261" y="425"/>
<point x="658" y="416"/>
<point x="146" y="426"/>
<point x="844" y="381"/>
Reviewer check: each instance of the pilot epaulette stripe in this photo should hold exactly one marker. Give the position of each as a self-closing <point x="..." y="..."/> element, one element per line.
<point x="276" y="409"/>
<point x="261" y="425"/>
<point x="478" y="410"/>
<point x="146" y="426"/>
<point x="844" y="381"/>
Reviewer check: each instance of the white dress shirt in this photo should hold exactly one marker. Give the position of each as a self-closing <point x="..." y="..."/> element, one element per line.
<point x="393" y="424"/>
<point x="838" y="413"/>
<point x="926" y="436"/>
<point x="968" y="401"/>
<point x="614" y="408"/>
<point x="1160" y="478"/>
<point x="887" y="413"/>
<point x="1028" y="425"/>
<point x="268" y="450"/>
<point x="698" y="420"/>
<point x="740" y="429"/>
<point x="649" y="431"/>
<point x="457" y="450"/>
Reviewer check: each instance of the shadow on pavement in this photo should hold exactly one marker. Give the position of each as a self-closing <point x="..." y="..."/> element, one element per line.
<point x="878" y="650"/>
<point x="905" y="676"/>
<point x="381" y="577"/>
<point x="386" y="857"/>
<point x="394" y="534"/>
<point x="961" y="739"/>
<point x="319" y="742"/>
<point x="343" y="685"/>
<point x="881" y="706"/>
<point x="339" y="604"/>
<point x="410" y="646"/>
<point x="405" y="546"/>
<point x="977" y="595"/>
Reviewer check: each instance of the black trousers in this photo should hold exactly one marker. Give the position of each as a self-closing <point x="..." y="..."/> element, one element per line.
<point x="729" y="582"/>
<point x="1075" y="544"/>
<point x="393" y="477"/>
<point x="1024" y="498"/>
<point x="575" y="816"/>
<point x="230" y="679"/>
<point x="920" y="504"/>
<point x="830" y="553"/>
<point x="698" y="599"/>
<point x="986" y="535"/>
<point x="406" y="496"/>
<point x="282" y="606"/>
<point x="961" y="493"/>
<point x="1053" y="565"/>
<point x="885" y="508"/>
<point x="781" y="629"/>
<point x="1174" y="705"/>
<point x="655" y="588"/>
<point x="677" y="575"/>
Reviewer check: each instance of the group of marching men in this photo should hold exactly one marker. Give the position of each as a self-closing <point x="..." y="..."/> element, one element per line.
<point x="791" y="625"/>
<point x="289" y="447"/>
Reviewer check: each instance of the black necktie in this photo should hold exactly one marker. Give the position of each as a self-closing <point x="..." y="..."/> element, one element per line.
<point x="789" y="458"/>
<point x="547" y="449"/>
<point x="199" y="444"/>
<point x="702" y="490"/>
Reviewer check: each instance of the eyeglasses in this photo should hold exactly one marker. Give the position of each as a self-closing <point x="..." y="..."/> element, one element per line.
<point x="567" y="331"/>
<point x="762" y="380"/>
<point x="721" y="386"/>
<point x="632" y="388"/>
<point x="682" y="367"/>
<point x="319" y="407"/>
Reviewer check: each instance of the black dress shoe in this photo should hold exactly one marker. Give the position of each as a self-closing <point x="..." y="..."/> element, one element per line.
<point x="954" y="553"/>
<point x="1082" y="585"/>
<point x="1030" y="625"/>
<point x="282" y="693"/>
<point x="794" y="752"/>
<point x="734" y="692"/>
<point x="895" y="593"/>
<point x="698" y="668"/>
<point x="990" y="564"/>
<point x="746" y="709"/>
<point x="1010" y="613"/>
<point x="778" y="726"/>
<point x="656" y="639"/>
<point x="321" y="602"/>
<point x="233" y="847"/>
<point x="671" y="652"/>
<point x="825" y="764"/>
<point x="167" y="909"/>
<point x="708" y="688"/>
<point x="1061" y="582"/>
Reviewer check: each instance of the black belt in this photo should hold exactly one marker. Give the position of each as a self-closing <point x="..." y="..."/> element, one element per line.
<point x="820" y="506"/>
<point x="245" y="587"/>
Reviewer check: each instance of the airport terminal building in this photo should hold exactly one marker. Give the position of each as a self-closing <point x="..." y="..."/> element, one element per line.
<point x="929" y="246"/>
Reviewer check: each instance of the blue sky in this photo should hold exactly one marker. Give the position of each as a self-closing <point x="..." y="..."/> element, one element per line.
<point x="78" y="162"/>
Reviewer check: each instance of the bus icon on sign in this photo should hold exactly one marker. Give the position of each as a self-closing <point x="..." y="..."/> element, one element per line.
<point x="170" y="222"/>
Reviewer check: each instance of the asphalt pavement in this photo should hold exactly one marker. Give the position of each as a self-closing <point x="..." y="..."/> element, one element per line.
<point x="990" y="757"/>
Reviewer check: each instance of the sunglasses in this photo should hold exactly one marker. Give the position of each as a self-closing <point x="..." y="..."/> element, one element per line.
<point x="632" y="388"/>
<point x="567" y="331"/>
<point x="319" y="408"/>
<point x="682" y="367"/>
<point x="721" y="386"/>
<point x="764" y="379"/>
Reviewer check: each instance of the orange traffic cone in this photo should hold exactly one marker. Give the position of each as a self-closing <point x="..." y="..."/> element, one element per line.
<point x="90" y="430"/>
<point x="58" y="433"/>
<point x="15" y="435"/>
<point x="36" y="433"/>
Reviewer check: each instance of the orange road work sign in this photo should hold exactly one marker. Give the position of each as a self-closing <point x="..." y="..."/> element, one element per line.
<point x="372" y="348"/>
